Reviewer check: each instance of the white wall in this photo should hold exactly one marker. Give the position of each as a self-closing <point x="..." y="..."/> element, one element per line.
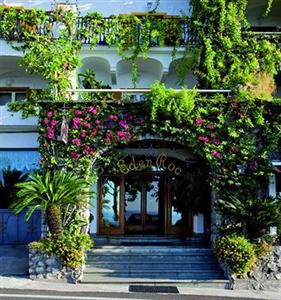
<point x="18" y="140"/>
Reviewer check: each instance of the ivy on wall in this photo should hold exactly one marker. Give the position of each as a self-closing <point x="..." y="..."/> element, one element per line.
<point x="227" y="132"/>
<point x="49" y="45"/>
<point x="230" y="56"/>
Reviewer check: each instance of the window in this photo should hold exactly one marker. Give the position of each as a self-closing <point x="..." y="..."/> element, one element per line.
<point x="12" y="96"/>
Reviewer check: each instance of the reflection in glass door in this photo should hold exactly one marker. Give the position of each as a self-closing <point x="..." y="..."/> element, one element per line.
<point x="110" y="205"/>
<point x="142" y="195"/>
<point x="179" y="217"/>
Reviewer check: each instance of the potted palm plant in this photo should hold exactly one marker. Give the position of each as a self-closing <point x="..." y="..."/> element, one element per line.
<point x="50" y="192"/>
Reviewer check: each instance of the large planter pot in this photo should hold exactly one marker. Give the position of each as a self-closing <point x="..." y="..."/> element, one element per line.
<point x="43" y="266"/>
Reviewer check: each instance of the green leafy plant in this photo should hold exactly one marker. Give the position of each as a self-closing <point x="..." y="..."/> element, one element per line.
<point x="253" y="216"/>
<point x="49" y="192"/>
<point x="70" y="247"/>
<point x="229" y="53"/>
<point x="165" y="103"/>
<point x="236" y="252"/>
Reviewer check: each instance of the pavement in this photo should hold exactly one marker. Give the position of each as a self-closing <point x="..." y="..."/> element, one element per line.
<point x="23" y="284"/>
<point x="13" y="260"/>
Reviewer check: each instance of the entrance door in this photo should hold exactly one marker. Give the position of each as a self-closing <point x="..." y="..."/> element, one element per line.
<point x="144" y="203"/>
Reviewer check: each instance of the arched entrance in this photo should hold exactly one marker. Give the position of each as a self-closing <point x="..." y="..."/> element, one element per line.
<point x="158" y="189"/>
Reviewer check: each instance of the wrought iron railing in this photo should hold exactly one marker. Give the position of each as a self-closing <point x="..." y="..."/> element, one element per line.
<point x="180" y="37"/>
<point x="89" y="34"/>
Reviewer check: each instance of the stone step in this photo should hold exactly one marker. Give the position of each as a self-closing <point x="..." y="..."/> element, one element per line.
<point x="149" y="240"/>
<point x="148" y="278"/>
<point x="153" y="265"/>
<point x="125" y="264"/>
<point x="162" y="269"/>
<point x="152" y="258"/>
<point x="107" y="250"/>
<point x="151" y="248"/>
<point x="166" y="275"/>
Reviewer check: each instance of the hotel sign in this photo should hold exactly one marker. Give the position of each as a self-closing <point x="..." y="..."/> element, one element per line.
<point x="143" y="164"/>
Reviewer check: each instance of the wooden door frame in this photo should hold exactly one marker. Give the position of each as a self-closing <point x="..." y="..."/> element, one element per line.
<point x="167" y="207"/>
<point x="111" y="230"/>
<point x="143" y="228"/>
<point x="175" y="230"/>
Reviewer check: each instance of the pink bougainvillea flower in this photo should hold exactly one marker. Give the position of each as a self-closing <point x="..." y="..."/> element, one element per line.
<point x="92" y="110"/>
<point x="87" y="125"/>
<point x="216" y="142"/>
<point x="210" y="126"/>
<point x="113" y="118"/>
<point x="216" y="154"/>
<point x="74" y="155"/>
<point x="86" y="150"/>
<point x="50" y="114"/>
<point x="121" y="135"/>
<point x="88" y="118"/>
<point x="50" y="133"/>
<point x="98" y="121"/>
<point x="76" y="142"/>
<point x="83" y="133"/>
<point x="76" y="122"/>
<point x="93" y="133"/>
<point x="78" y="112"/>
<point x="108" y="137"/>
<point x="124" y="125"/>
<point x="199" y="122"/>
<point x="53" y="123"/>
<point x="203" y="139"/>
<point x="46" y="121"/>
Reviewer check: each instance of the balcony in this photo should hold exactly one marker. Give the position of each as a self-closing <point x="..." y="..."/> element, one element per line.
<point x="94" y="29"/>
<point x="176" y="30"/>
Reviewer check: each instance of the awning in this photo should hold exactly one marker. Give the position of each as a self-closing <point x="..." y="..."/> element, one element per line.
<point x="23" y="160"/>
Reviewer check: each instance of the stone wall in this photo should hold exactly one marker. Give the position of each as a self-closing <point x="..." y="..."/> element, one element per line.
<point x="266" y="275"/>
<point x="42" y="266"/>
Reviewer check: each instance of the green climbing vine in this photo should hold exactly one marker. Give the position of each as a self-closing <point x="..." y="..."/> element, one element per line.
<point x="230" y="55"/>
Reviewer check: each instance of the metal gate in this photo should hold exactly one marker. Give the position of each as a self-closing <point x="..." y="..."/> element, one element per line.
<point x="14" y="230"/>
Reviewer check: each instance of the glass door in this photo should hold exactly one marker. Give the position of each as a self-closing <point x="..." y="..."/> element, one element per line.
<point x="179" y="214"/>
<point x="111" y="217"/>
<point x="143" y="195"/>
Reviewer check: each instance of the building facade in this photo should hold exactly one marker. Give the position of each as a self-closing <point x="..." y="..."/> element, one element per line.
<point x="149" y="196"/>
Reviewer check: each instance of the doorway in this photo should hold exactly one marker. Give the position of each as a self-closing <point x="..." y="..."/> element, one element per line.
<point x="144" y="204"/>
<point x="151" y="203"/>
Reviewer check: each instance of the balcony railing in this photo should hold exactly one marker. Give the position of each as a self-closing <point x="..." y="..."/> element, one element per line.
<point x="130" y="95"/>
<point x="175" y="31"/>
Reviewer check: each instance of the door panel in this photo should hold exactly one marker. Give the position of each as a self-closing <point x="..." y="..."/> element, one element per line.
<point x="179" y="216"/>
<point x="133" y="204"/>
<point x="142" y="195"/>
<point x="151" y="205"/>
<point x="111" y="210"/>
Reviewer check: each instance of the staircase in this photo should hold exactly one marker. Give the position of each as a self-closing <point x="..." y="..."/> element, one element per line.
<point x="154" y="264"/>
